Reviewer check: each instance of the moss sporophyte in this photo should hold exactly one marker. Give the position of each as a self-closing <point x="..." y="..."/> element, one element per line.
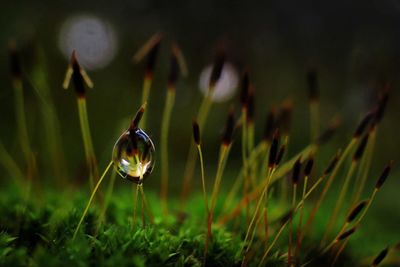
<point x="285" y="206"/>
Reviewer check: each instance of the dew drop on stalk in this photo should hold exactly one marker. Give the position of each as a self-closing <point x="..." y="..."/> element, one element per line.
<point x="133" y="155"/>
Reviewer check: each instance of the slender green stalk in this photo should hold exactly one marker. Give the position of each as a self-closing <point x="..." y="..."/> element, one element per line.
<point x="204" y="109"/>
<point x="164" y="147"/>
<point x="91" y="199"/>
<point x="284" y="225"/>
<point x="279" y="173"/>
<point x="321" y="198"/>
<point x="255" y="153"/>
<point x="314" y="119"/>
<point x="110" y="189"/>
<point x="145" y="207"/>
<point x="135" y="200"/>
<point x="87" y="141"/>
<point x="272" y="244"/>
<point x="224" y="152"/>
<point x="365" y="166"/>
<point x="246" y="177"/>
<point x="147" y="82"/>
<point x="339" y="202"/>
<point x="203" y="183"/>
<point x="346" y="241"/>
<point x="40" y="83"/>
<point x="255" y="214"/>
<point x="12" y="167"/>
<point x="299" y="236"/>
<point x="291" y="225"/>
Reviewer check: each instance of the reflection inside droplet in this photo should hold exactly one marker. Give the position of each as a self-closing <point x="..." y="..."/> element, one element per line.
<point x="225" y="87"/>
<point x="133" y="155"/>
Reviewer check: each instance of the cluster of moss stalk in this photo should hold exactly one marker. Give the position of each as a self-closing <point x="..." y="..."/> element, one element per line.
<point x="247" y="209"/>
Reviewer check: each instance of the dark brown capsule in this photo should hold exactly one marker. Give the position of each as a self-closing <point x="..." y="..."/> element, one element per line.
<point x="196" y="132"/>
<point x="269" y="125"/>
<point x="308" y="167"/>
<point x="138" y="117"/>
<point x="381" y="256"/>
<point x="15" y="64"/>
<point x="346" y="234"/>
<point x="380" y="112"/>
<point x="245" y="89"/>
<point x="151" y="60"/>
<point x="385" y="173"/>
<point x="312" y="81"/>
<point x="327" y="135"/>
<point x="360" y="148"/>
<point x="229" y="127"/>
<point x="357" y="209"/>
<point x="173" y="72"/>
<point x="332" y="164"/>
<point x="285" y="117"/>
<point x="217" y="70"/>
<point x="273" y="151"/>
<point x="279" y="157"/>
<point x="77" y="77"/>
<point x="364" y="124"/>
<point x="296" y="171"/>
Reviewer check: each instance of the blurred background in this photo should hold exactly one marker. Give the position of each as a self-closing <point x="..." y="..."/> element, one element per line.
<point x="353" y="45"/>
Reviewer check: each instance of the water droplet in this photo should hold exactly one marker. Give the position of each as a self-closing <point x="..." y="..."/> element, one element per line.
<point x="133" y="155"/>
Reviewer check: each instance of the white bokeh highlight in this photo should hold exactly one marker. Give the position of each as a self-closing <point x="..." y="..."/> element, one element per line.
<point x="93" y="40"/>
<point x="226" y="86"/>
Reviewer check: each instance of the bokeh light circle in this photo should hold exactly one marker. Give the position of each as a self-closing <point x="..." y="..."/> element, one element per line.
<point x="93" y="39"/>
<point x="226" y="85"/>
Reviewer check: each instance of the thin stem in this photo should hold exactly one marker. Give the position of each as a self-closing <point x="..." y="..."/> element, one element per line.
<point x="224" y="151"/>
<point x="91" y="199"/>
<point x="357" y="223"/>
<point x="291" y="226"/>
<point x="147" y="82"/>
<point x="272" y="244"/>
<point x="314" y="119"/>
<point x="169" y="103"/>
<point x="87" y="141"/>
<point x="279" y="173"/>
<point x="366" y="165"/>
<point x="205" y="201"/>
<point x="299" y="237"/>
<point x="339" y="202"/>
<point x="109" y="192"/>
<point x="135" y="204"/>
<point x="255" y="153"/>
<point x="334" y="241"/>
<point x="146" y="205"/>
<point x="255" y="214"/>
<point x="328" y="184"/>
<point x="202" y="116"/>
<point x="244" y="160"/>
<point x="203" y="183"/>
<point x="284" y="225"/>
